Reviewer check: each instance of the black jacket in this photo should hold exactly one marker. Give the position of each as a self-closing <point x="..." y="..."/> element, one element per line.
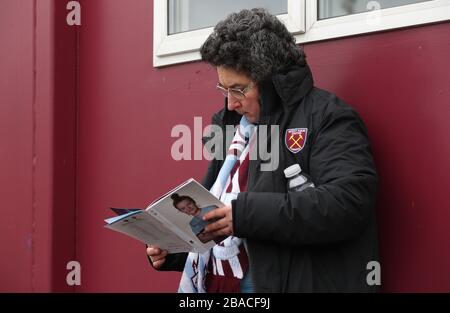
<point x="322" y="238"/>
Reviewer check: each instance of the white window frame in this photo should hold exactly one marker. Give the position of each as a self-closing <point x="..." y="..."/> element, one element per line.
<point x="184" y="47"/>
<point x="374" y="21"/>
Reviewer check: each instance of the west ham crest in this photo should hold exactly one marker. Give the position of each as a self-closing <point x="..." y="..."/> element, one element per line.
<point x="295" y="139"/>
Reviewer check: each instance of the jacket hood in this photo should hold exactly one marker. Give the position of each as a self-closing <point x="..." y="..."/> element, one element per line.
<point x="293" y="85"/>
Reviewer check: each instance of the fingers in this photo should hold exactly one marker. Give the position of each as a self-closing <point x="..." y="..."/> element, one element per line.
<point x="222" y="221"/>
<point x="158" y="264"/>
<point x="217" y="213"/>
<point x="216" y="226"/>
<point x="219" y="228"/>
<point x="153" y="250"/>
<point x="157" y="256"/>
<point x="227" y="231"/>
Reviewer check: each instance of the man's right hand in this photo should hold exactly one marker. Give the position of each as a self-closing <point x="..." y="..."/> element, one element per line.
<point x="157" y="256"/>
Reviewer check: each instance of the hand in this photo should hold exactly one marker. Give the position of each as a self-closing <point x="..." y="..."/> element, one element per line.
<point x="205" y="237"/>
<point x="224" y="224"/>
<point x="157" y="256"/>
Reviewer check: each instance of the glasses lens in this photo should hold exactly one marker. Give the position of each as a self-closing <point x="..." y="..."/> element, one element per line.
<point x="223" y="91"/>
<point x="237" y="94"/>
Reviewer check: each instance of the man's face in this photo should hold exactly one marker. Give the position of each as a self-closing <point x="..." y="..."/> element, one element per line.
<point x="248" y="105"/>
<point x="188" y="207"/>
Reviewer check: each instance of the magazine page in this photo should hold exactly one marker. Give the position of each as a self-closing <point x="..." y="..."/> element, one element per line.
<point x="171" y="191"/>
<point x="143" y="227"/>
<point x="184" y="208"/>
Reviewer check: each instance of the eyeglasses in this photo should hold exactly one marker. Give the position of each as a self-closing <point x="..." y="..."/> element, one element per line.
<point x="235" y="92"/>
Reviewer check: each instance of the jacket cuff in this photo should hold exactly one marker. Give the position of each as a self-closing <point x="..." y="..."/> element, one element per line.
<point x="238" y="213"/>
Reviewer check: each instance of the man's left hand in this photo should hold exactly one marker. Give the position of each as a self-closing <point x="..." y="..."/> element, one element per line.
<point x="224" y="224"/>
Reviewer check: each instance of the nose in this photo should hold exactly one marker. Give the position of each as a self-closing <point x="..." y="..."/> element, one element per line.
<point x="233" y="103"/>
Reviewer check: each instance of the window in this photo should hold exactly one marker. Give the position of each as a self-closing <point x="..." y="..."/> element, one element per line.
<point x="187" y="15"/>
<point x="335" y="8"/>
<point x="181" y="26"/>
<point x="327" y="19"/>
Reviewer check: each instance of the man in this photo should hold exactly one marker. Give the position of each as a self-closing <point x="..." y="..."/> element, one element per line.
<point x="319" y="239"/>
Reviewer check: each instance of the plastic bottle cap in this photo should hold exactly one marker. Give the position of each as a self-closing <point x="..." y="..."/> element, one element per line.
<point x="292" y="170"/>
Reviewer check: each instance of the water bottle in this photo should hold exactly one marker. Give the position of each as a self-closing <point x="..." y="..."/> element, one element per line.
<point x="297" y="181"/>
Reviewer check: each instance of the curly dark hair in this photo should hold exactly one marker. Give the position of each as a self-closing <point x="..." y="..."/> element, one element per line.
<point x="253" y="42"/>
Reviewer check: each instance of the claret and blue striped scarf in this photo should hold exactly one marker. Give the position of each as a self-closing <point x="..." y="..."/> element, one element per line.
<point x="222" y="268"/>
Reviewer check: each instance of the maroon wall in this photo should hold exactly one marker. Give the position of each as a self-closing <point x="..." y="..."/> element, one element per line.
<point x="127" y="110"/>
<point x="397" y="80"/>
<point x="16" y="128"/>
<point x="55" y="172"/>
<point x="37" y="145"/>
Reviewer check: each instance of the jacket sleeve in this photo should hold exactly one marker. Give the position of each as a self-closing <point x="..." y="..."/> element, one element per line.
<point x="337" y="209"/>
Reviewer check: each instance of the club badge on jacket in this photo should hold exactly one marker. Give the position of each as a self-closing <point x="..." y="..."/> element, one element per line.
<point x="295" y="139"/>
